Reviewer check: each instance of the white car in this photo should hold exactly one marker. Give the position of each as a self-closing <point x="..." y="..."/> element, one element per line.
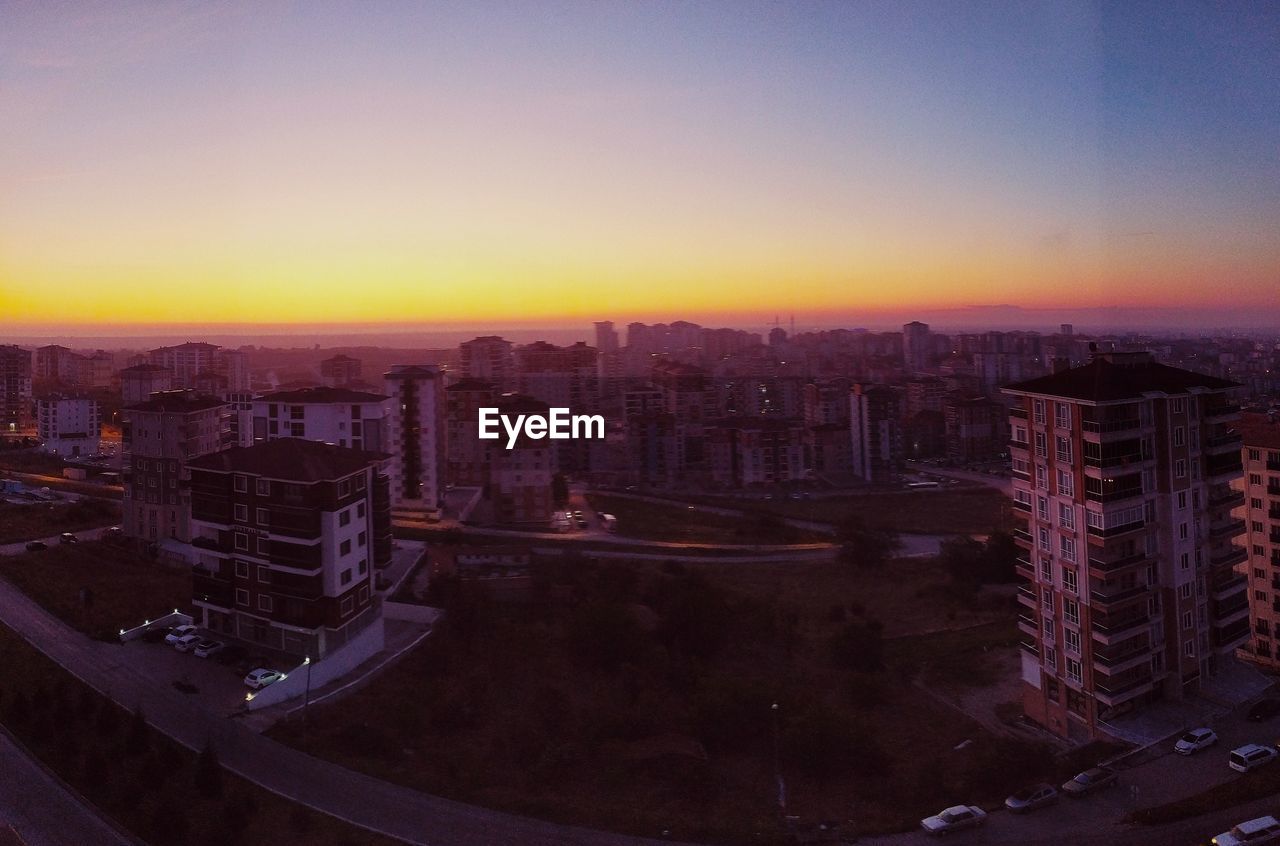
<point x="1251" y="756"/>
<point x="954" y="818"/>
<point x="187" y="642"/>
<point x="1195" y="740"/>
<point x="1250" y="833"/>
<point x="206" y="648"/>
<point x="262" y="677"/>
<point x="177" y="633"/>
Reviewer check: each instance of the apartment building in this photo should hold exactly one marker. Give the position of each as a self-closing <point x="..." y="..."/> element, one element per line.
<point x="490" y="359"/>
<point x="341" y="371"/>
<point x="15" y="389"/>
<point x="975" y="428"/>
<point x="1122" y="481"/>
<point x="139" y="382"/>
<point x="1258" y="501"/>
<point x="338" y="416"/>
<point x="416" y="439"/>
<point x="185" y="361"/>
<point x="917" y="346"/>
<point x="159" y="437"/>
<point x="287" y="535"/>
<point x="68" y="426"/>
<point x="467" y="454"/>
<point x="874" y="434"/>
<point x="756" y="452"/>
<point x="518" y="489"/>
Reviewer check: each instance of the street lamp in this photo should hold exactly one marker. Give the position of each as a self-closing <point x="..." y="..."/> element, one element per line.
<point x="306" y="700"/>
<point x="777" y="763"/>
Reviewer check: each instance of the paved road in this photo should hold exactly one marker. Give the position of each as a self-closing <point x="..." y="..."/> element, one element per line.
<point x="1001" y="483"/>
<point x="53" y="540"/>
<point x="356" y="798"/>
<point x="40" y="808"/>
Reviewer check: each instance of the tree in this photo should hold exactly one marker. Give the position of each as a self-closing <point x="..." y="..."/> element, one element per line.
<point x="963" y="559"/>
<point x="560" y="490"/>
<point x="863" y="546"/>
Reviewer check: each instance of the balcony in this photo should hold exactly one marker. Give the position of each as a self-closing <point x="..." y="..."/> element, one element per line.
<point x="1226" y="499"/>
<point x="1224" y="442"/>
<point x="1104" y="566"/>
<point x="1221" y="411"/>
<point x="1229" y="529"/>
<point x="211" y="589"/>
<point x="1110" y="427"/>
<point x="1027" y="597"/>
<point x="1228" y="634"/>
<point x="1117" y="460"/>
<point x="1230" y="557"/>
<point x="1223" y="468"/>
<point x="1022" y="535"/>
<point x="1229" y="587"/>
<point x="1109" y="598"/>
<point x="1115" y="692"/>
<point x="1023" y="566"/>
<point x="1123" y="656"/>
<point x="1113" y="629"/>
<point x="1272" y="463"/>
<point x="1114" y="531"/>
<point x="1020" y="413"/>
<point x="1022" y="506"/>
<point x="1029" y="646"/>
<point x="1028" y="625"/>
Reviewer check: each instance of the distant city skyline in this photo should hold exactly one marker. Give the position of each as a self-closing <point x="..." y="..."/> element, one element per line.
<point x="483" y="165"/>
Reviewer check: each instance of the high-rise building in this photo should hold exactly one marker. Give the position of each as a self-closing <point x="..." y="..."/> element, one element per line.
<point x="158" y="438"/>
<point x="139" y="382"/>
<point x="1122" y="474"/>
<point x="1257" y="499"/>
<point x="68" y="426"/>
<point x="417" y="439"/>
<point x="467" y="454"/>
<point x="874" y="434"/>
<point x="490" y="359"/>
<point x="518" y="488"/>
<point x="185" y="361"/>
<point x="341" y="371"/>
<point x="286" y="537"/>
<point x="15" y="389"/>
<point x="916" y="346"/>
<point x="606" y="337"/>
<point x="337" y="416"/>
<point x="975" y="428"/>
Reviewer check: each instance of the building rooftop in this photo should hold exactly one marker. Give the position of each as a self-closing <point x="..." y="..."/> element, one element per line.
<point x="176" y="401"/>
<point x="322" y="395"/>
<point x="290" y="459"/>
<point x="1109" y="378"/>
<point x="1260" y="429"/>
<point x="145" y="368"/>
<point x="471" y="385"/>
<point x="413" y="371"/>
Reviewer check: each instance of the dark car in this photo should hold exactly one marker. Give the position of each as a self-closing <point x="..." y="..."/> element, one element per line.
<point x="1264" y="710"/>
<point x="1089" y="781"/>
<point x="67" y="537"/>
<point x="36" y="546"/>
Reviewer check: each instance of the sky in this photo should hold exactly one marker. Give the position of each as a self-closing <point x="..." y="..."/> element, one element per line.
<point x="495" y="162"/>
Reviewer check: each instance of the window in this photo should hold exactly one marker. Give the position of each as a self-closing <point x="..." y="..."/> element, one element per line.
<point x="1255" y="455"/>
<point x="1042" y="449"/>
<point x="242" y="597"/>
<point x="1184" y="561"/>
<point x="1038" y="409"/>
<point x="242" y="513"/>
<point x="1256" y="525"/>
<point x="1258" y="550"/>
<point x="1042" y="508"/>
<point x="263" y="516"/>
<point x="1179" y="436"/>
<point x="361" y="539"/>
<point x="1255" y="478"/>
<point x="1064" y="449"/>
<point x="1046" y="599"/>
<point x="1188" y="620"/>
<point x="345" y="547"/>
<point x="1062" y="415"/>
<point x="1047" y="625"/>
<point x="1255" y="503"/>
<point x="364" y="566"/>
<point x="263" y="487"/>
<point x="1066" y="483"/>
<point x="1044" y="539"/>
<point x="1071" y="611"/>
<point x="1020" y="435"/>
<point x="1260" y="595"/>
<point x="360" y="509"/>
<point x="264" y="574"/>
<point x="1184" y="590"/>
<point x="1070" y="581"/>
<point x="1182" y="531"/>
<point x="346" y="606"/>
<point x="363" y="594"/>
<point x="1189" y="649"/>
<point x="1066" y="516"/>
<point x="1068" y="547"/>
<point x="264" y="545"/>
<point x="1042" y="477"/>
<point x="1046" y="570"/>
<point x="242" y="541"/>
<point x="344" y="517"/>
<point x="1179" y="405"/>
<point x="1180" y="468"/>
<point x="360" y="483"/>
<point x="1071" y="638"/>
<point x="344" y="488"/>
<point x="1182" y="499"/>
<point x="1258" y="572"/>
<point x="345" y="578"/>
<point x="242" y="569"/>
<point x="241" y="484"/>
<point x="1050" y="657"/>
<point x="265" y="602"/>
<point x="1073" y="670"/>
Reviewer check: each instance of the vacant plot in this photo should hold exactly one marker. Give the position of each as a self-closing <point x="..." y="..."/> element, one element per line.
<point x="42" y="520"/>
<point x="680" y="523"/>
<point x="640" y="698"/>
<point x="123" y="588"/>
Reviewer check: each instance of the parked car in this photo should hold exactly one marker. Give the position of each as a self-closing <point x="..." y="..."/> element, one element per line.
<point x="1250" y="833"/>
<point x="113" y="533"/>
<point x="187" y="642"/>
<point x="1264" y="710"/>
<point x="67" y="537"/>
<point x="36" y="546"/>
<point x="955" y="818"/>
<point x="1251" y="756"/>
<point x="1089" y="781"/>
<point x="1195" y="740"/>
<point x="262" y="677"/>
<point x="177" y="633"/>
<point x="1030" y="798"/>
<point x="207" y="647"/>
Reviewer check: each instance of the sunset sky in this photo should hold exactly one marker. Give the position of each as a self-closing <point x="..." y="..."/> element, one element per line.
<point x="484" y="162"/>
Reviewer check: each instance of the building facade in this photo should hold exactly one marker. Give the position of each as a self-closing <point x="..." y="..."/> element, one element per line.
<point x="287" y="536"/>
<point x="15" y="389"/>
<point x="875" y="438"/>
<point x="338" y="416"/>
<point x="416" y="439"/>
<point x="68" y="426"/>
<point x="139" y="382"/>
<point x="1258" y="502"/>
<point x="1122" y="484"/>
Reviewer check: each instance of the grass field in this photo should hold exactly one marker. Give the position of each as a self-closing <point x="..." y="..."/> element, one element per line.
<point x="126" y="588"/>
<point x="638" y="698"/>
<point x="148" y="784"/>
<point x="679" y="523"/>
<point x="42" y="520"/>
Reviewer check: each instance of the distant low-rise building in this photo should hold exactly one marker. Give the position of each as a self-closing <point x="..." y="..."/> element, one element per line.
<point x="341" y="371"/>
<point x="68" y="426"/>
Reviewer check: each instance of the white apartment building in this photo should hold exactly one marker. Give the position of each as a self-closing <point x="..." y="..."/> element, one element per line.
<point x="68" y="426"/>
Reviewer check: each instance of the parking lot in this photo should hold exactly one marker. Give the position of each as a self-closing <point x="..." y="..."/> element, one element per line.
<point x="219" y="686"/>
